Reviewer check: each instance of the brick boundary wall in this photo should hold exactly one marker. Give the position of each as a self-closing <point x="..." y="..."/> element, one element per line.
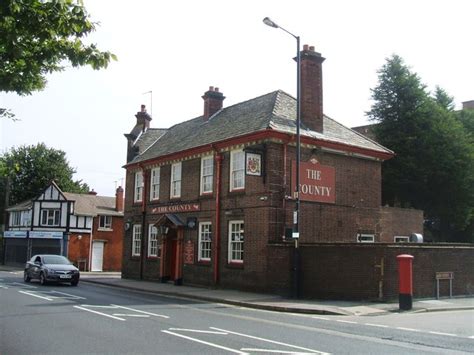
<point x="350" y="271"/>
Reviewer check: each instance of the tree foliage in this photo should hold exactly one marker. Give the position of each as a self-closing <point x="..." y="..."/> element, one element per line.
<point x="38" y="37"/>
<point x="433" y="169"/>
<point x="30" y="169"/>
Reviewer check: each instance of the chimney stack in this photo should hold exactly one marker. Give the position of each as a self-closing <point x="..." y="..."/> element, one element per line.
<point x="213" y="100"/>
<point x="311" y="88"/>
<point x="92" y="192"/>
<point x="119" y="199"/>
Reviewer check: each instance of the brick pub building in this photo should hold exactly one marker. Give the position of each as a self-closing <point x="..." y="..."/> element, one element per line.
<point x="210" y="201"/>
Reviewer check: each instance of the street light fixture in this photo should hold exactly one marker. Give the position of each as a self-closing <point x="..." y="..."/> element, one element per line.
<point x="296" y="215"/>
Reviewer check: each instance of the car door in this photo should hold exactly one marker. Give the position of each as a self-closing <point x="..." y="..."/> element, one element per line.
<point x="36" y="263"/>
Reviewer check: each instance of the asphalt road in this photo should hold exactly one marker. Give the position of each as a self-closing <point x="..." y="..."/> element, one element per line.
<point x="92" y="319"/>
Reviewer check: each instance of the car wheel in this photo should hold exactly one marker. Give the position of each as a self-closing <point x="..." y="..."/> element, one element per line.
<point x="74" y="283"/>
<point x="26" y="277"/>
<point x="42" y="279"/>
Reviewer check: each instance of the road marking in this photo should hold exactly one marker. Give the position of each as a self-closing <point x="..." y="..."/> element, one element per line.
<point x="447" y="334"/>
<point x="322" y="318"/>
<point x="5" y="287"/>
<point x="30" y="293"/>
<point x="198" y="331"/>
<point x="270" y="341"/>
<point x="409" y="329"/>
<point x="376" y="325"/>
<point x="345" y="321"/>
<point x="471" y="337"/>
<point x="205" y="342"/>
<point x="131" y="315"/>
<point x="96" y="312"/>
<point x="139" y="311"/>
<point x="273" y="351"/>
<point x="66" y="295"/>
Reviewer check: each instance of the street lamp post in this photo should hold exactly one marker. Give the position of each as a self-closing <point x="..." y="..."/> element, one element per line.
<point x="296" y="213"/>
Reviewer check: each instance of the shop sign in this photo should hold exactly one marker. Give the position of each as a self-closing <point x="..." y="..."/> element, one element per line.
<point x="317" y="182"/>
<point x="15" y="234"/>
<point x="186" y="207"/>
<point x="46" y="235"/>
<point x="253" y="164"/>
<point x="189" y="252"/>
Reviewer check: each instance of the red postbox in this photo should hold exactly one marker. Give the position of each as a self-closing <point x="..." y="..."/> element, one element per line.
<point x="405" y="281"/>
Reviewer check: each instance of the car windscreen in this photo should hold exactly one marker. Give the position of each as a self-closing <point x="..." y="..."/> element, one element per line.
<point x="55" y="259"/>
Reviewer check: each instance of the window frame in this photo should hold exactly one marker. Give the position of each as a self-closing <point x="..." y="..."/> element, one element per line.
<point x="152" y="242"/>
<point x="401" y="239"/>
<point x="155" y="184"/>
<point x="56" y="217"/>
<point x="105" y="225"/>
<point x="365" y="238"/>
<point x="175" y="181"/>
<point x="232" y="181"/>
<point x="201" y="242"/>
<point x="232" y="244"/>
<point x="211" y="175"/>
<point x="138" y="187"/>
<point x="136" y="240"/>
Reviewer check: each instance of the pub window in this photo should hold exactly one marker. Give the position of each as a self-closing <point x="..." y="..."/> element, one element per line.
<point x="205" y="241"/>
<point x="237" y="170"/>
<point x="176" y="180"/>
<point x="138" y="187"/>
<point x="136" y="240"/>
<point x="236" y="241"/>
<point x="365" y="238"/>
<point x="207" y="174"/>
<point x="401" y="239"/>
<point x="152" y="241"/>
<point x="155" y="184"/>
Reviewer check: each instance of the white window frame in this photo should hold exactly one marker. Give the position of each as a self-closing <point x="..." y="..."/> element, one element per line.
<point x="105" y="222"/>
<point x="401" y="239"/>
<point x="205" y="241"/>
<point x="50" y="217"/>
<point x="232" y="250"/>
<point x="175" y="188"/>
<point x="138" y="191"/>
<point x="15" y="218"/>
<point x="365" y="238"/>
<point x="237" y="172"/>
<point x="207" y="174"/>
<point x="155" y="184"/>
<point x="152" y="241"/>
<point x="136" y="240"/>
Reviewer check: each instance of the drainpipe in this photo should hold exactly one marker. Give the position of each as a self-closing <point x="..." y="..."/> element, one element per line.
<point x="285" y="154"/>
<point x="144" y="199"/>
<point x="217" y="233"/>
<point x="90" y="246"/>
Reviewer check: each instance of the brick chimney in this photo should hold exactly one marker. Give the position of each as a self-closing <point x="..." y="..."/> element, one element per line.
<point x="213" y="100"/>
<point x="92" y="192"/>
<point x="119" y="199"/>
<point x="143" y="119"/>
<point x="311" y="89"/>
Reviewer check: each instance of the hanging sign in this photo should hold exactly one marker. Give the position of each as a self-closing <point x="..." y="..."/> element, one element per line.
<point x="253" y="164"/>
<point x="317" y="182"/>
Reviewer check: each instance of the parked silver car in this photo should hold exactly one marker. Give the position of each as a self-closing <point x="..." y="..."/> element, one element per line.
<point x="51" y="268"/>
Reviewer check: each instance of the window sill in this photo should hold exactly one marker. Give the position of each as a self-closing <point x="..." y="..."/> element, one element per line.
<point x="204" y="262"/>
<point x="105" y="229"/>
<point x="154" y="258"/>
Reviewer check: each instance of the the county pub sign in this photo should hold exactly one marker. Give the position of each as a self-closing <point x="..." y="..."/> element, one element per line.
<point x="317" y="182"/>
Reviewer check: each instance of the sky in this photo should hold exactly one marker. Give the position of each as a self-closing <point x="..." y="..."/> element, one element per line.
<point x="177" y="49"/>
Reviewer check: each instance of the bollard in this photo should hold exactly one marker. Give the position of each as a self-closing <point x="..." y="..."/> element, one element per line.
<point x="405" y="281"/>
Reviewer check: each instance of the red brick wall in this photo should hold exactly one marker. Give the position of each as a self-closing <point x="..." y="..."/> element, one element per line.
<point x="78" y="250"/>
<point x="113" y="243"/>
<point x="351" y="271"/>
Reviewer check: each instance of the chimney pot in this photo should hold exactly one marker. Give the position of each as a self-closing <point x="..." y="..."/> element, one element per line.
<point x="216" y="89"/>
<point x="143" y="108"/>
<point x="305" y="47"/>
<point x="311" y="48"/>
<point x="211" y="88"/>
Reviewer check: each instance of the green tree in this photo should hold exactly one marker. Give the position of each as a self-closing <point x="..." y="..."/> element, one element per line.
<point x="433" y="169"/>
<point x="38" y="37"/>
<point x="30" y="169"/>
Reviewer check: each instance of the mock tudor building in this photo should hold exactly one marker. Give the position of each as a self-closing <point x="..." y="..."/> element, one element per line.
<point x="208" y="200"/>
<point x="86" y="228"/>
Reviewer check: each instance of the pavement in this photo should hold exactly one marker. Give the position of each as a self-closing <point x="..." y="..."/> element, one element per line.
<point x="269" y="301"/>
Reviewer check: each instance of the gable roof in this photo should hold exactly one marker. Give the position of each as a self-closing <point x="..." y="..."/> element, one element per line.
<point x="274" y="111"/>
<point x="93" y="205"/>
